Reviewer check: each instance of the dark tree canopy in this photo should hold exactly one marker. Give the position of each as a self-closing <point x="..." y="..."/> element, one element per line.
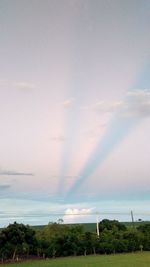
<point x="56" y="239"/>
<point x="113" y="225"/>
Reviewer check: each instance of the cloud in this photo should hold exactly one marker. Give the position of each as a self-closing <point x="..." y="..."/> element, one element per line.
<point x="117" y="105"/>
<point x="135" y="104"/>
<point x="24" y="85"/>
<point x="77" y="211"/>
<point x="34" y="213"/>
<point x="59" y="138"/>
<point x="5" y="172"/>
<point x="68" y="103"/>
<point x="108" y="106"/>
<point x="95" y="132"/>
<point x="139" y="93"/>
<point x="75" y="214"/>
<point x="65" y="176"/>
<point x="4" y="187"/>
<point x="138" y="103"/>
<point x="105" y="106"/>
<point x="21" y="85"/>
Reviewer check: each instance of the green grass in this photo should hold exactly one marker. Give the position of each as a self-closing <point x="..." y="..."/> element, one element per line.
<point x="88" y="227"/>
<point x="91" y="227"/>
<point x="119" y="260"/>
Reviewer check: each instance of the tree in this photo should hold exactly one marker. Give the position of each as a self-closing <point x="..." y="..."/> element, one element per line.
<point x="134" y="240"/>
<point x="111" y="225"/>
<point x="17" y="239"/>
<point x="144" y="229"/>
<point x="60" y="221"/>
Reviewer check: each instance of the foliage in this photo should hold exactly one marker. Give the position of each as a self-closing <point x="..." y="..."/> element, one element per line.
<point x="56" y="239"/>
<point x="113" y="225"/>
<point x="17" y="239"/>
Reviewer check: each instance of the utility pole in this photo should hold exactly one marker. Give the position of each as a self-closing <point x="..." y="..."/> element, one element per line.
<point x="97" y="225"/>
<point x="132" y="217"/>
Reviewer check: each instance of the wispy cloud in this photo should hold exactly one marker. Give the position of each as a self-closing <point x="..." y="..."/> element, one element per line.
<point x="139" y="93"/>
<point x="136" y="104"/>
<point x="59" y="138"/>
<point x="66" y="177"/>
<point x="4" y="187"/>
<point x="24" y="85"/>
<point x="68" y="103"/>
<point x="104" y="106"/>
<point x="96" y="131"/>
<point x="14" y="173"/>
<point x="21" y="85"/>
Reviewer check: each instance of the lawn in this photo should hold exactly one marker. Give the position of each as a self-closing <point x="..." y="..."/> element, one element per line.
<point x="119" y="260"/>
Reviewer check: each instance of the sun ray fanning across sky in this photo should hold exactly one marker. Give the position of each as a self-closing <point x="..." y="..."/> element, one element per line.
<point x="134" y="108"/>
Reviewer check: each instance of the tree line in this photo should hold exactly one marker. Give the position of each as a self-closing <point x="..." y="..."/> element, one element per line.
<point x="19" y="241"/>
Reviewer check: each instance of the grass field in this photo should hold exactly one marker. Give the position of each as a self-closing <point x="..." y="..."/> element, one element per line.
<point x="91" y="227"/>
<point x="119" y="260"/>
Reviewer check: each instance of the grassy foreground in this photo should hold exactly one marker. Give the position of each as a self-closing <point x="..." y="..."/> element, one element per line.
<point x="119" y="260"/>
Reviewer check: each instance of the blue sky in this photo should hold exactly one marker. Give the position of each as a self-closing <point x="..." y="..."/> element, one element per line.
<point x="74" y="109"/>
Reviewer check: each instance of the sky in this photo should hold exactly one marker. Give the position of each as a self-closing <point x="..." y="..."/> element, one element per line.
<point x="74" y="110"/>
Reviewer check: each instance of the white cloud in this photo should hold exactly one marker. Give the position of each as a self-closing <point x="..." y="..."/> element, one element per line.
<point x="138" y="103"/>
<point x="66" y="176"/>
<point x="117" y="104"/>
<point x="68" y="103"/>
<point x="77" y="211"/>
<point x="24" y="85"/>
<point x="139" y="93"/>
<point x="99" y="105"/>
<point x="96" y="131"/>
<point x="76" y="214"/>
<point x="108" y="106"/>
<point x="135" y="104"/>
<point x="59" y="138"/>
